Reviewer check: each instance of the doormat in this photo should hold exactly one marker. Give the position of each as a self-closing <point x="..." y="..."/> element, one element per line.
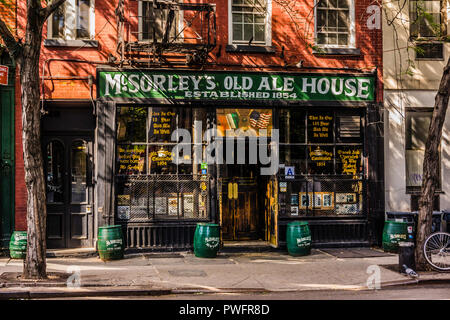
<point x="356" y="252"/>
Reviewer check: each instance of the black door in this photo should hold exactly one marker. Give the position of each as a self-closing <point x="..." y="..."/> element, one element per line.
<point x="68" y="172"/>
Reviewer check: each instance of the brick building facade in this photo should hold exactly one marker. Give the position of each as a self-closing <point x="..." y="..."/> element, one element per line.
<point x="93" y="54"/>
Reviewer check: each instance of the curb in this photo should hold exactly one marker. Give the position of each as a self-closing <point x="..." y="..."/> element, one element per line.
<point x="101" y="291"/>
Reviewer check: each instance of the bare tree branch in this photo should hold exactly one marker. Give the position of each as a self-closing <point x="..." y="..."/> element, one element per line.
<point x="14" y="47"/>
<point x="52" y="7"/>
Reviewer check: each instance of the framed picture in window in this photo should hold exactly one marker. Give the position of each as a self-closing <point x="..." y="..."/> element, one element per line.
<point x="345" y="197"/>
<point x="161" y="205"/>
<point x="173" y="206"/>
<point x="305" y="200"/>
<point x="317" y="199"/>
<point x="188" y="205"/>
<point x="123" y="212"/>
<point x="327" y="200"/>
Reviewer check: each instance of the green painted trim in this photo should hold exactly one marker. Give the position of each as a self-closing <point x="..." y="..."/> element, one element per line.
<point x="7" y="157"/>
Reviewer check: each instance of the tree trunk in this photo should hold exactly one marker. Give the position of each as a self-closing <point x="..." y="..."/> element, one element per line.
<point x="431" y="174"/>
<point x="35" y="263"/>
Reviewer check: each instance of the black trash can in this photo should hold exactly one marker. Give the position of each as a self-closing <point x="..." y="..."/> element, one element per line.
<point x="406" y="256"/>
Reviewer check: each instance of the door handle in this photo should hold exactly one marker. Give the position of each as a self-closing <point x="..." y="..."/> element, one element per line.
<point x="230" y="191"/>
<point x="235" y="190"/>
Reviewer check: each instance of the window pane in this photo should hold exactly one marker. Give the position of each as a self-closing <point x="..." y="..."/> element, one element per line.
<point x="131" y="159"/>
<point x="321" y="18"/>
<point x="343" y="20"/>
<point x="332" y="20"/>
<point x="244" y="122"/>
<point x="417" y="125"/>
<point x="321" y="38"/>
<point x="131" y="124"/>
<point x="294" y="156"/>
<point x="162" y="122"/>
<point x="79" y="172"/>
<point x="248" y="18"/>
<point x="332" y="38"/>
<point x="55" y="172"/>
<point x="320" y="159"/>
<point x="342" y="39"/>
<point x="237" y="17"/>
<point x="344" y="3"/>
<point x="259" y="18"/>
<point x="320" y="127"/>
<point x="248" y="31"/>
<point x="348" y="160"/>
<point x="58" y="22"/>
<point x="292" y="126"/>
<point x="237" y="32"/>
<point x="83" y="18"/>
<point x="259" y="32"/>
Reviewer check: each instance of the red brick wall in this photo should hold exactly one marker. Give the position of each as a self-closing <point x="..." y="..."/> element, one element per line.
<point x="292" y="28"/>
<point x="8" y="13"/>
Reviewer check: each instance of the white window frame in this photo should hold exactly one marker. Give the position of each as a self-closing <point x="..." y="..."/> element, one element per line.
<point x="70" y="32"/>
<point x="352" y="31"/>
<point x="267" y="21"/>
<point x="179" y="26"/>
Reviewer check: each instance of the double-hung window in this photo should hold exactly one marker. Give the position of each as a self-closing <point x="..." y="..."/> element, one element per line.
<point x="335" y="23"/>
<point x="427" y="23"/>
<point x="417" y="126"/>
<point x="250" y="22"/>
<point x="73" y="20"/>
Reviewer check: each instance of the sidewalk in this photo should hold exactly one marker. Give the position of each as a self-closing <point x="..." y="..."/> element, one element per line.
<point x="166" y="273"/>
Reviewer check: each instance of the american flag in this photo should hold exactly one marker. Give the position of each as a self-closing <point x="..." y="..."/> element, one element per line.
<point x="259" y="120"/>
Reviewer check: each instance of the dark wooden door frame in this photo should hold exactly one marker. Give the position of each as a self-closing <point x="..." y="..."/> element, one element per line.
<point x="66" y="207"/>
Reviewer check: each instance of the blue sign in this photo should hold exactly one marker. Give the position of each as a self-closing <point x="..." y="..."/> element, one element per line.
<point x="289" y="172"/>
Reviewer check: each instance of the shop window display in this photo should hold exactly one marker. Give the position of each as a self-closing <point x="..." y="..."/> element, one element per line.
<point x="149" y="184"/>
<point x="326" y="152"/>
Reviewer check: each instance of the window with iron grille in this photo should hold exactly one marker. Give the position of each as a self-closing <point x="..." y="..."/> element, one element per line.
<point x="250" y="22"/>
<point x="149" y="183"/>
<point x="335" y="23"/>
<point x="153" y="21"/>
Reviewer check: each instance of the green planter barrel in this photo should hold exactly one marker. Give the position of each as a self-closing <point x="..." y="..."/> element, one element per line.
<point x="18" y="245"/>
<point x="393" y="233"/>
<point x="110" y="242"/>
<point x="206" y="240"/>
<point x="298" y="238"/>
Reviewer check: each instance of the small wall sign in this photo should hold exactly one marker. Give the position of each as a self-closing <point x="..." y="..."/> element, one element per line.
<point x="4" y="75"/>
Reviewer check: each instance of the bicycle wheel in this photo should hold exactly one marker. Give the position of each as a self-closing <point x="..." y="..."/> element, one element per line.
<point x="437" y="251"/>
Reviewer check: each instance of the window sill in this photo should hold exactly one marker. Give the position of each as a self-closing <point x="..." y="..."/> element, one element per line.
<point x="338" y="51"/>
<point x="418" y="192"/>
<point x="249" y="49"/>
<point x="429" y="59"/>
<point x="70" y="43"/>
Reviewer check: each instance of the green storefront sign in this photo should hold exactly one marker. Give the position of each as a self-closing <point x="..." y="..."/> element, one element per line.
<point x="235" y="86"/>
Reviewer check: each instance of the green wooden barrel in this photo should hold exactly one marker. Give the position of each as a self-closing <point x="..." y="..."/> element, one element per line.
<point x="206" y="240"/>
<point x="393" y="233"/>
<point x="298" y="238"/>
<point x="18" y="245"/>
<point x="110" y="242"/>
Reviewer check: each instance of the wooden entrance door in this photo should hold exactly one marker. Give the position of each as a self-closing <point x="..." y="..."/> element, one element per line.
<point x="240" y="204"/>
<point x="68" y="172"/>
